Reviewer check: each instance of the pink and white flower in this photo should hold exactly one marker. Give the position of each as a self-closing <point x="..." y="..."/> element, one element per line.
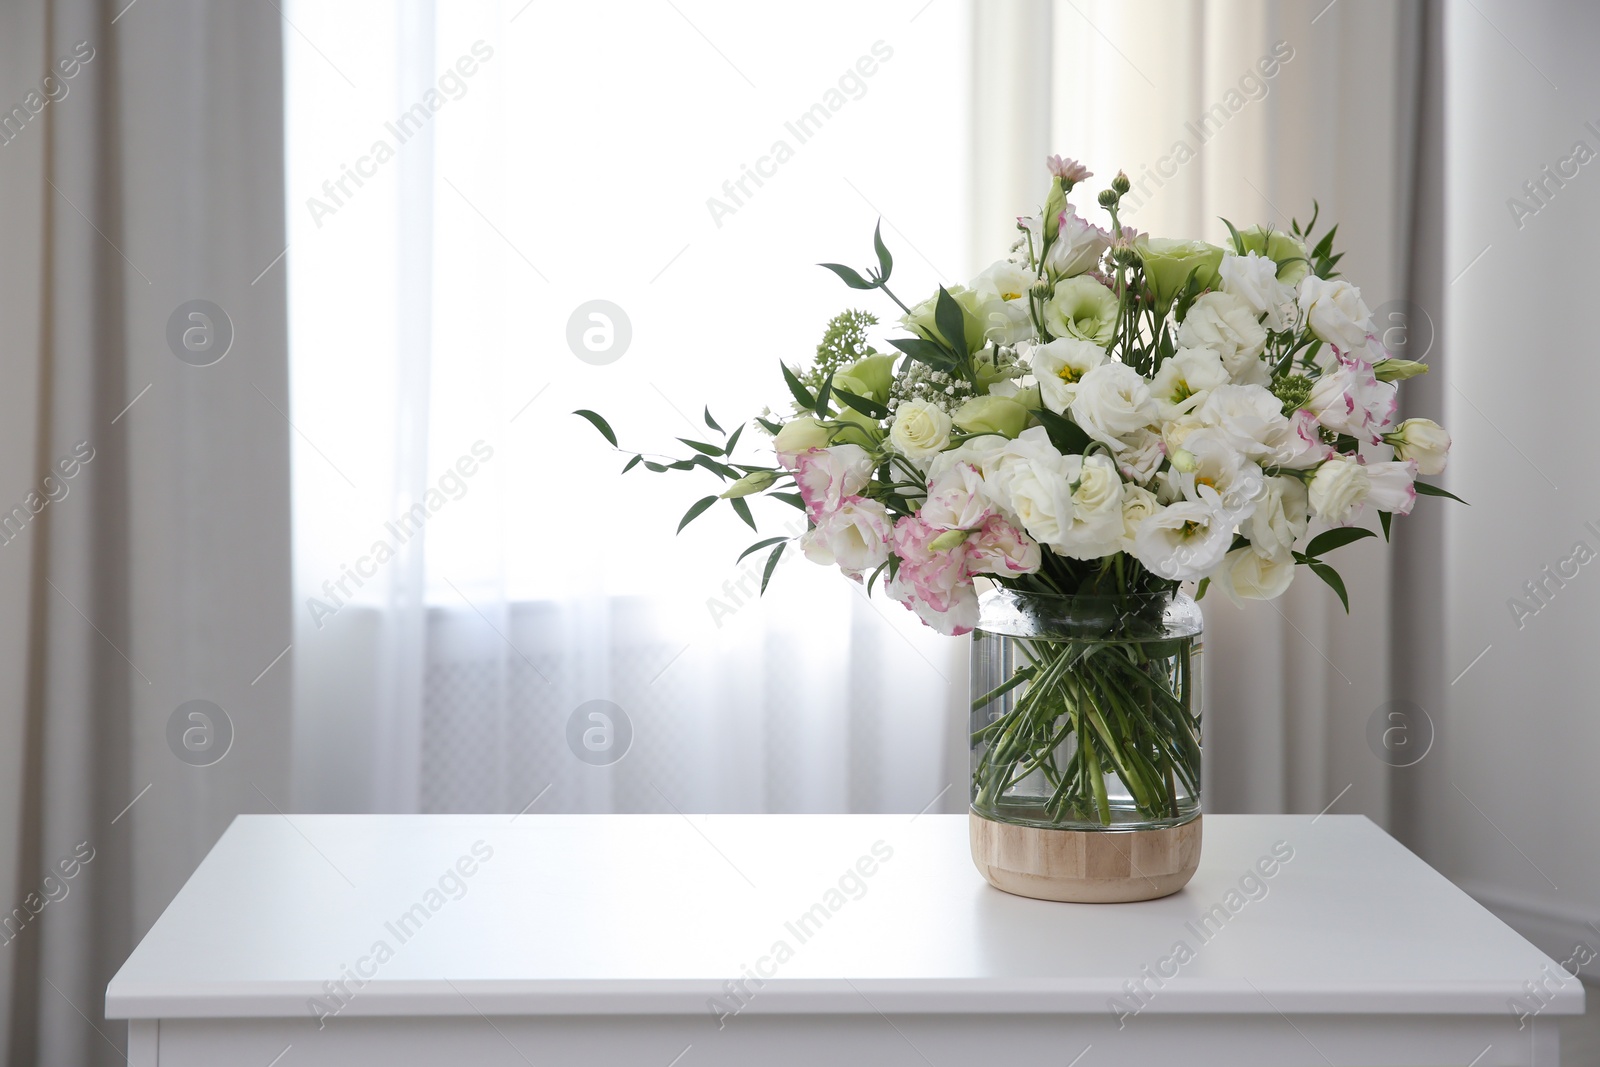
<point x="855" y="535"/>
<point x="933" y="582"/>
<point x="957" y="500"/>
<point x="825" y="476"/>
<point x="1351" y="400"/>
<point x="1001" y="548"/>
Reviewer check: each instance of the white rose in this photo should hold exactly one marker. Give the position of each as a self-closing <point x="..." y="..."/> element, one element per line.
<point x="1338" y="491"/>
<point x="1423" y="441"/>
<point x="1176" y="432"/>
<point x="1138" y="504"/>
<point x="1335" y="312"/>
<point x="1227" y="324"/>
<point x="1248" y="417"/>
<point x="1280" y="518"/>
<point x="1113" y="401"/>
<point x="1185" y="378"/>
<point x="1082" y="308"/>
<point x="1003" y="307"/>
<point x="920" y="430"/>
<point x="1183" y="541"/>
<point x="855" y="535"/>
<point x="1253" y="278"/>
<point x="1060" y="366"/>
<point x="1247" y="575"/>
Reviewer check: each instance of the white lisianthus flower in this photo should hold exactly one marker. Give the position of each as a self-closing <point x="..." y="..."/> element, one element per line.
<point x="1211" y="471"/>
<point x="1423" y="441"/>
<point x="1113" y="401"/>
<point x="1253" y="278"/>
<point x="1138" y="504"/>
<point x="1003" y="308"/>
<point x="1183" y="541"/>
<point x="1280" y="518"/>
<point x="1224" y="322"/>
<point x="1059" y="366"/>
<point x="855" y="535"/>
<point x="1185" y="379"/>
<point x="1030" y="481"/>
<point x="1335" y="312"/>
<point x="1392" y="486"/>
<point x="1096" y="526"/>
<point x="1176" y="432"/>
<point x="1338" y="491"/>
<point x="1082" y="308"/>
<point x="1143" y="452"/>
<point x="1245" y="574"/>
<point x="981" y="453"/>
<point x="1248" y="417"/>
<point x="1300" y="446"/>
<point x="920" y="430"/>
<point x="957" y="500"/>
<point x="1349" y="399"/>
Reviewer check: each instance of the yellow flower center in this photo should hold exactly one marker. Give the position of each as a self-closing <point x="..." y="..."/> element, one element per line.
<point x="1067" y="374"/>
<point x="1010" y="296"/>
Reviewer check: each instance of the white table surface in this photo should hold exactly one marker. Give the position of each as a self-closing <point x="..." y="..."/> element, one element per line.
<point x="653" y="914"/>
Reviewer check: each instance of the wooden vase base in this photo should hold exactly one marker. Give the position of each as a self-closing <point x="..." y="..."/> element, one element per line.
<point x="1085" y="866"/>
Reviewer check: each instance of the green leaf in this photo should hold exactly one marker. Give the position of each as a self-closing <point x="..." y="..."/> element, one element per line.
<point x="802" y="395"/>
<point x="1331" y="576"/>
<point x="870" y="408"/>
<point x="772" y="562"/>
<point x="701" y="446"/>
<point x="790" y="498"/>
<point x="1424" y="489"/>
<point x="1325" y="246"/>
<point x="1238" y="242"/>
<point x="694" y="510"/>
<point x="727" y="448"/>
<point x="652" y="465"/>
<point x="600" y="424"/>
<point x="1205" y="583"/>
<point x="712" y="422"/>
<point x="924" y="351"/>
<point x="769" y="426"/>
<point x="821" y="410"/>
<point x="951" y="321"/>
<point x="631" y="463"/>
<point x="758" y="546"/>
<point x="1337" y="537"/>
<point x="885" y="263"/>
<point x="1384" y="518"/>
<point x="874" y="577"/>
<point x="1067" y="436"/>
<point x="850" y="277"/>
<point x="743" y="509"/>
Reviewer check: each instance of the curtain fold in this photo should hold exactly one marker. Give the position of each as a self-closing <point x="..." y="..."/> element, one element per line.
<point x="143" y="497"/>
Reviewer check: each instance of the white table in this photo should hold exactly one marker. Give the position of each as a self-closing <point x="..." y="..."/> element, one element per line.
<point x="600" y="940"/>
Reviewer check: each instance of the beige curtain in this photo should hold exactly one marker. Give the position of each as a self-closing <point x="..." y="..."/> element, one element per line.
<point x="1249" y="111"/>
<point x="143" y="499"/>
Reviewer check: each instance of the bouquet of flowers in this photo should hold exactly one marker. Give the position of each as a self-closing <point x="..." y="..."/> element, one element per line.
<point x="1102" y="413"/>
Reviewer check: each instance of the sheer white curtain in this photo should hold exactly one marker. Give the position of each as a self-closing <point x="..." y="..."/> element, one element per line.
<point x="472" y="575"/>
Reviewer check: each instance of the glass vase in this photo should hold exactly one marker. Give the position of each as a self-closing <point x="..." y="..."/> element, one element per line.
<point x="1086" y="711"/>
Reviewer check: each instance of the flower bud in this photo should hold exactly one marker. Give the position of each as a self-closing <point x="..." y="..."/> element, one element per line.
<point x="1398" y="370"/>
<point x="1183" y="460"/>
<point x="1108" y="198"/>
<point x="1121" y="183"/>
<point x="754" y="482"/>
<point x="947" y="540"/>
